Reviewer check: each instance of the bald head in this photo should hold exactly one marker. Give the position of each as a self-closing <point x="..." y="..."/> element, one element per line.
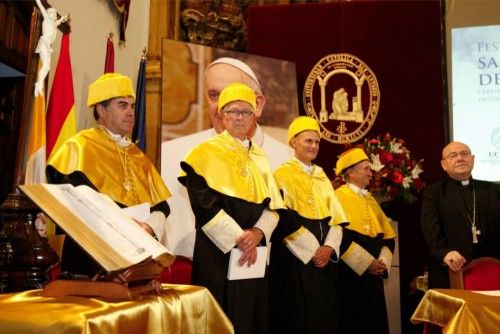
<point x="457" y="160"/>
<point x="452" y="147"/>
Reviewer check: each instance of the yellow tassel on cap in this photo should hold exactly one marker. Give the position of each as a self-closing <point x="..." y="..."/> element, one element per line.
<point x="350" y="158"/>
<point x="300" y="124"/>
<point x="108" y="86"/>
<point x="237" y="92"/>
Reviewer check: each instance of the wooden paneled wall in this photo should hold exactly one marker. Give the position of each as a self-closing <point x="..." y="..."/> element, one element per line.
<point x="163" y="24"/>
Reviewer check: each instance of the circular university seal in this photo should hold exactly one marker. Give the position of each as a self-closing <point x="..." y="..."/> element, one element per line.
<point x="342" y="93"/>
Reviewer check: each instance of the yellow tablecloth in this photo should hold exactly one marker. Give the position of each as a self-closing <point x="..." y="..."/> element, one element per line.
<point x="178" y="309"/>
<point x="459" y="311"/>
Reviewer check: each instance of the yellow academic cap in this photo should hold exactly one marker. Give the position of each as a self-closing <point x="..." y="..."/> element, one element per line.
<point x="300" y="124"/>
<point x="108" y="86"/>
<point x="237" y="92"/>
<point x="350" y="158"/>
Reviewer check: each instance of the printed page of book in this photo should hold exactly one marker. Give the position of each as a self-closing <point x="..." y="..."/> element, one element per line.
<point x="98" y="224"/>
<point x="128" y="232"/>
<point x="257" y="270"/>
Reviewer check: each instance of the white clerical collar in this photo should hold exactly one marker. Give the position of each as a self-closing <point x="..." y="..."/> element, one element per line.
<point x="121" y="141"/>
<point x="306" y="168"/>
<point x="465" y="182"/>
<point x="357" y="190"/>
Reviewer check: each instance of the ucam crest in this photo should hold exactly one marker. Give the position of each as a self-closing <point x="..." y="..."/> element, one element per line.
<point x="343" y="94"/>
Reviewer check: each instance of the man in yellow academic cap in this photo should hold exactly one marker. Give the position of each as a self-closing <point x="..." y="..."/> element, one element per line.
<point x="217" y="76"/>
<point x="368" y="256"/>
<point x="104" y="158"/>
<point x="306" y="242"/>
<point x="234" y="197"/>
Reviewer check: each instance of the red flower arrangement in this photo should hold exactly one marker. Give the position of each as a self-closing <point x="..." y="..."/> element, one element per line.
<point x="395" y="173"/>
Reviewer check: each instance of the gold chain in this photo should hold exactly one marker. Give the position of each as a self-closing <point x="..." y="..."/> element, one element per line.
<point x="128" y="185"/>
<point x="310" y="196"/>
<point x="368" y="217"/>
<point x="243" y="163"/>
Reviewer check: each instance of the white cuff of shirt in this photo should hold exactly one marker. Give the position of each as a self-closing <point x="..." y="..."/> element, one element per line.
<point x="333" y="239"/>
<point x="267" y="223"/>
<point x="157" y="223"/>
<point x="303" y="244"/>
<point x="386" y="257"/>
<point x="357" y="258"/>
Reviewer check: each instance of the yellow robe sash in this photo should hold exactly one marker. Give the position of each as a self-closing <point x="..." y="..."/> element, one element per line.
<point x="231" y="169"/>
<point x="364" y="214"/>
<point x="102" y="160"/>
<point x="311" y="195"/>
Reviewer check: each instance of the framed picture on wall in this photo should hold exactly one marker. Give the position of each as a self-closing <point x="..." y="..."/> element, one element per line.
<point x="184" y="107"/>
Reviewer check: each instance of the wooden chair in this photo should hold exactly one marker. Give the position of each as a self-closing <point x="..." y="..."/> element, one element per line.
<point x="480" y="274"/>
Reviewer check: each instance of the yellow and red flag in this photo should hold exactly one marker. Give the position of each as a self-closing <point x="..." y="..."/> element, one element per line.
<point x="35" y="166"/>
<point x="61" y="111"/>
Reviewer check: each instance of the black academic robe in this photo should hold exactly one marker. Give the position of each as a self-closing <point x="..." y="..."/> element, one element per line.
<point x="302" y="297"/>
<point x="362" y="299"/>
<point x="446" y="226"/>
<point x="244" y="301"/>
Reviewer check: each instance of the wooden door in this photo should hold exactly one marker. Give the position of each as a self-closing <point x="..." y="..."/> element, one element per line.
<point x="18" y="35"/>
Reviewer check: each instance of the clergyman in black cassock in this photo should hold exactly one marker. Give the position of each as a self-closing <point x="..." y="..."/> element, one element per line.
<point x="460" y="216"/>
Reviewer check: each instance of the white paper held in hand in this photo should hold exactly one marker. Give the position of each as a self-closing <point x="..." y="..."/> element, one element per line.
<point x="140" y="212"/>
<point x="257" y="270"/>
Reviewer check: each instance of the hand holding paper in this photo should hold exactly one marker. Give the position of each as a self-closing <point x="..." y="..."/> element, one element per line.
<point x="247" y="243"/>
<point x="140" y="214"/>
<point x="257" y="270"/>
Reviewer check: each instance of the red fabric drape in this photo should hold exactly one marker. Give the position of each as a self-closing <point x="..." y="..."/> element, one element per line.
<point x="399" y="40"/>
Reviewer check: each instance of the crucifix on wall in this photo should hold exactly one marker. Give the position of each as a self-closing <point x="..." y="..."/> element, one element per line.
<point x="122" y="6"/>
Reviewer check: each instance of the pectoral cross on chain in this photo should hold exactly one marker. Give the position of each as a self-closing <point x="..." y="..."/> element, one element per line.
<point x="474" y="229"/>
<point x="475" y="233"/>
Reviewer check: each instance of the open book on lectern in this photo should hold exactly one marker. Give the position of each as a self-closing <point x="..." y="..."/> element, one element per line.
<point x="99" y="226"/>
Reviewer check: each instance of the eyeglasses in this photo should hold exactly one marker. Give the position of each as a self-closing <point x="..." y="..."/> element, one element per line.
<point x="455" y="155"/>
<point x="235" y="113"/>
